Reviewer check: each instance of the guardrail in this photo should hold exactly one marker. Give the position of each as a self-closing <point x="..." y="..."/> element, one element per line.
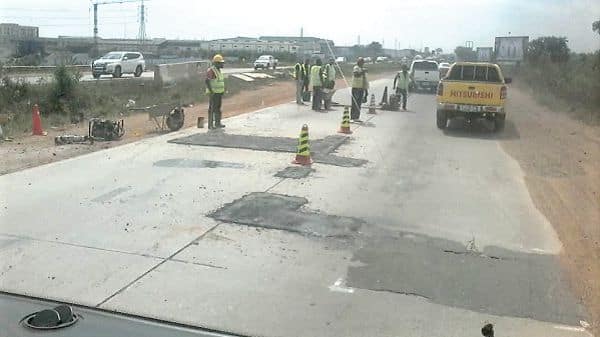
<point x="39" y="69"/>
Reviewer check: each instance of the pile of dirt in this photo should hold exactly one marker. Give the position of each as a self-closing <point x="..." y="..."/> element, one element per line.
<point x="561" y="161"/>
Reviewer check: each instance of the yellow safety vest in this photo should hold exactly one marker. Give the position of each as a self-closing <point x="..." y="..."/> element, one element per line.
<point x="360" y="81"/>
<point x="218" y="83"/>
<point x="299" y="71"/>
<point x="315" y="76"/>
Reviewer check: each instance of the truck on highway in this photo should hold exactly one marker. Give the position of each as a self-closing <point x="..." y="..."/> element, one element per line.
<point x="472" y="90"/>
<point x="118" y="63"/>
<point x="424" y="75"/>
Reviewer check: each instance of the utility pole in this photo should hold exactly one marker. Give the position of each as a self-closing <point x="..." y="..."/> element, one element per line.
<point x="95" y="51"/>
<point x="301" y="31"/>
<point x="142" y="32"/>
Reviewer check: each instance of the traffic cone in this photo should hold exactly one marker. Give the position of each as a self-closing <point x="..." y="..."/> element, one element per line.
<point x="303" y="154"/>
<point x="345" y="127"/>
<point x="36" y="122"/>
<point x="384" y="99"/>
<point x="372" y="105"/>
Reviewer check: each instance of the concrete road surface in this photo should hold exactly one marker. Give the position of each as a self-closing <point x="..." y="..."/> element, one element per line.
<point x="399" y="230"/>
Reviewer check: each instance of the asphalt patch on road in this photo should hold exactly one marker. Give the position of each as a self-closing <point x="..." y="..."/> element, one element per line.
<point x="495" y="281"/>
<point x="294" y="172"/>
<point x="195" y="163"/>
<point x="283" y="212"/>
<point x="321" y="149"/>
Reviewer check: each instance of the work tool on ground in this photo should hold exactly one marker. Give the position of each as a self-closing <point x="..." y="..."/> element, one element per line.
<point x="166" y="116"/>
<point x="73" y="139"/>
<point x="345" y="127"/>
<point x="105" y="129"/>
<point x="303" y="153"/>
<point x="391" y="104"/>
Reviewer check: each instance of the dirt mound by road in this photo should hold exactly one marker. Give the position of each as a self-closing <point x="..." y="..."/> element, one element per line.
<point x="561" y="161"/>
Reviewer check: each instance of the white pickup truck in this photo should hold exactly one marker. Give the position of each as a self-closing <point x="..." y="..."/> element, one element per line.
<point x="265" y="62"/>
<point x="424" y="75"/>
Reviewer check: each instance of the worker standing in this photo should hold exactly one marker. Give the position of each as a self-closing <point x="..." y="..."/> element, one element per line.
<point x="329" y="74"/>
<point x="401" y="82"/>
<point x="306" y="78"/>
<point x="215" y="87"/>
<point x="299" y="75"/>
<point x="360" y="87"/>
<point x="316" y="82"/>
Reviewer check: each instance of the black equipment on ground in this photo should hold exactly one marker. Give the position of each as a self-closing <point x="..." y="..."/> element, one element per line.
<point x="106" y="129"/>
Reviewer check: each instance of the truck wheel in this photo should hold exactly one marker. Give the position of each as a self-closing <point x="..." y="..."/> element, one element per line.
<point x="96" y="75"/>
<point x="117" y="73"/>
<point x="138" y="71"/>
<point x="442" y="119"/>
<point x="499" y="124"/>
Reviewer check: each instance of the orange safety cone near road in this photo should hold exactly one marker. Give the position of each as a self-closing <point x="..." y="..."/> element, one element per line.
<point x="345" y="127"/>
<point x="372" y="105"/>
<point x="36" y="122"/>
<point x="303" y="154"/>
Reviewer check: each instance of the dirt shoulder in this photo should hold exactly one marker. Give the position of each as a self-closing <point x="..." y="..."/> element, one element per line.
<point x="561" y="161"/>
<point x="28" y="151"/>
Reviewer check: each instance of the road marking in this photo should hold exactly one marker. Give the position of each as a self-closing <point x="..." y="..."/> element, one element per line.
<point x="569" y="328"/>
<point x="538" y="250"/>
<point x="338" y="287"/>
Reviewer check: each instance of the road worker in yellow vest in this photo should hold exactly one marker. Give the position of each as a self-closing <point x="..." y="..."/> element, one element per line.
<point x="360" y="89"/>
<point x="300" y="74"/>
<point x="215" y="88"/>
<point x="316" y="82"/>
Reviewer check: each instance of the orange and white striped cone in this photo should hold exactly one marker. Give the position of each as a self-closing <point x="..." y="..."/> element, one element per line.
<point x="303" y="153"/>
<point x="345" y="127"/>
<point x="372" y="105"/>
<point x="36" y="122"/>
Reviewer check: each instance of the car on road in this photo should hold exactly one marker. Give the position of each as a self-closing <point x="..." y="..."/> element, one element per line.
<point x="265" y="62"/>
<point x="341" y="60"/>
<point x="380" y="59"/>
<point x="443" y="69"/>
<point x="118" y="63"/>
<point x="424" y="75"/>
<point x="472" y="90"/>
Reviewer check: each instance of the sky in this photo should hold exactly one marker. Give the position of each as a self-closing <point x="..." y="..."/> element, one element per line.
<point x="397" y="24"/>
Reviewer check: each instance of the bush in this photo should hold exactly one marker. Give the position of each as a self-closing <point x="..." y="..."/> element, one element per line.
<point x="62" y="93"/>
<point x="575" y="82"/>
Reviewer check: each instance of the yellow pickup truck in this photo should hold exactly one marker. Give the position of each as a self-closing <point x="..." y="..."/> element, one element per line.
<point x="472" y="90"/>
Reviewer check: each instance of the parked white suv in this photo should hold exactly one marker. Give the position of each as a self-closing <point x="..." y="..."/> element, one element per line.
<point x="265" y="62"/>
<point x="424" y="75"/>
<point x="117" y="63"/>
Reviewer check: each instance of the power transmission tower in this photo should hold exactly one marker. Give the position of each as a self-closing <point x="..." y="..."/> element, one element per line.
<point x="95" y="4"/>
<point x="142" y="32"/>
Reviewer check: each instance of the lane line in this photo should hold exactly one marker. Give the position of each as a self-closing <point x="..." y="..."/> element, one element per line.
<point x="156" y="266"/>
